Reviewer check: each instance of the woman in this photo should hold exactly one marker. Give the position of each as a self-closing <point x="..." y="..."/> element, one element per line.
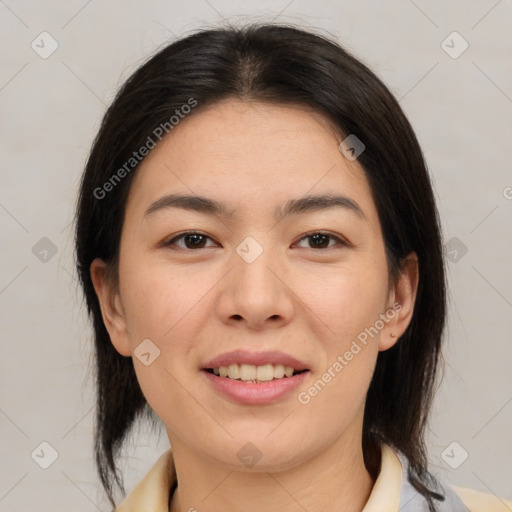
<point x="261" y="256"/>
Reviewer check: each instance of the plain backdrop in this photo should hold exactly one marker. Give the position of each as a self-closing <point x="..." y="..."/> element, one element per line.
<point x="459" y="101"/>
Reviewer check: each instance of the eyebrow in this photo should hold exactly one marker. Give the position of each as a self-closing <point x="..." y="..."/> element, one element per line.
<point x="210" y="206"/>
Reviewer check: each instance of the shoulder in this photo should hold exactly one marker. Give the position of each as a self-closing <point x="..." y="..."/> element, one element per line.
<point x="153" y="491"/>
<point x="477" y="501"/>
<point x="447" y="498"/>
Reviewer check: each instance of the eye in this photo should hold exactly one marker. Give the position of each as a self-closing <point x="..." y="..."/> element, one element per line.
<point x="196" y="240"/>
<point x="321" y="240"/>
<point x="191" y="240"/>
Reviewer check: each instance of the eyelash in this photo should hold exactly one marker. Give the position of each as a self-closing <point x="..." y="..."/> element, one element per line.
<point x="171" y="242"/>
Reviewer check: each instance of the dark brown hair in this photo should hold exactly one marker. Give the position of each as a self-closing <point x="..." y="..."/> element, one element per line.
<point x="284" y="65"/>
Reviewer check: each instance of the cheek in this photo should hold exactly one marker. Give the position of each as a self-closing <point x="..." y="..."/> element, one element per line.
<point x="159" y="302"/>
<point x="167" y="309"/>
<point x="345" y="301"/>
<point x="346" y="305"/>
<point x="340" y="402"/>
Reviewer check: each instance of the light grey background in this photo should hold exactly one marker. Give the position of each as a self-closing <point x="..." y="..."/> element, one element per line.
<point x="461" y="109"/>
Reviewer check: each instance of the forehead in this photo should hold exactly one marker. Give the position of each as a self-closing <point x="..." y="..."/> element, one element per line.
<point x="250" y="155"/>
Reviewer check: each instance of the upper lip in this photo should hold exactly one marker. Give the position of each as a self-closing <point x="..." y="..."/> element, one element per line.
<point x="255" y="358"/>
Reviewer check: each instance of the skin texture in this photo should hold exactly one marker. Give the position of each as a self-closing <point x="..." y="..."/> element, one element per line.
<point x="310" y="302"/>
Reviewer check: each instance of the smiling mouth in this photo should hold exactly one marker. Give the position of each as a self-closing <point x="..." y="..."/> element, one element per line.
<point x="254" y="374"/>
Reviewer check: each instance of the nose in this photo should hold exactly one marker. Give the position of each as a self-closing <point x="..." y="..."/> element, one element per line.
<point x="257" y="293"/>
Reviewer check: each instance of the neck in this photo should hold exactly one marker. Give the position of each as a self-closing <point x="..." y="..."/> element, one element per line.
<point x="335" y="479"/>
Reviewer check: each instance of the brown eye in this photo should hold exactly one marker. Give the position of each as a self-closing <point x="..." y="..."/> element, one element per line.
<point x="191" y="240"/>
<point x="320" y="240"/>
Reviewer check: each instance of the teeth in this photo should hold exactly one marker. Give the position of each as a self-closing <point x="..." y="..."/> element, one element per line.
<point x="247" y="372"/>
<point x="234" y="371"/>
<point x="250" y="372"/>
<point x="279" y="371"/>
<point x="288" y="371"/>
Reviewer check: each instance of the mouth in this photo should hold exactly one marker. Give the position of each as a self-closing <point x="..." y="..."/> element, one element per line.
<point x="250" y="385"/>
<point x="253" y="374"/>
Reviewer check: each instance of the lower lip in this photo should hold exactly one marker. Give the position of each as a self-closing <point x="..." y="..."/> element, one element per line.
<point x="253" y="393"/>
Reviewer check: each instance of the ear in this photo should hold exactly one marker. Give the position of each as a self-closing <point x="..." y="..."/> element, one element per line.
<point x="111" y="307"/>
<point x="402" y="298"/>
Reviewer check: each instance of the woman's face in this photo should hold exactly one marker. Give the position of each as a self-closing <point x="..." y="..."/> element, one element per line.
<point x="255" y="279"/>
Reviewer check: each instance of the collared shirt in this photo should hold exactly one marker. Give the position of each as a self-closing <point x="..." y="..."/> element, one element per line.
<point x="392" y="491"/>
